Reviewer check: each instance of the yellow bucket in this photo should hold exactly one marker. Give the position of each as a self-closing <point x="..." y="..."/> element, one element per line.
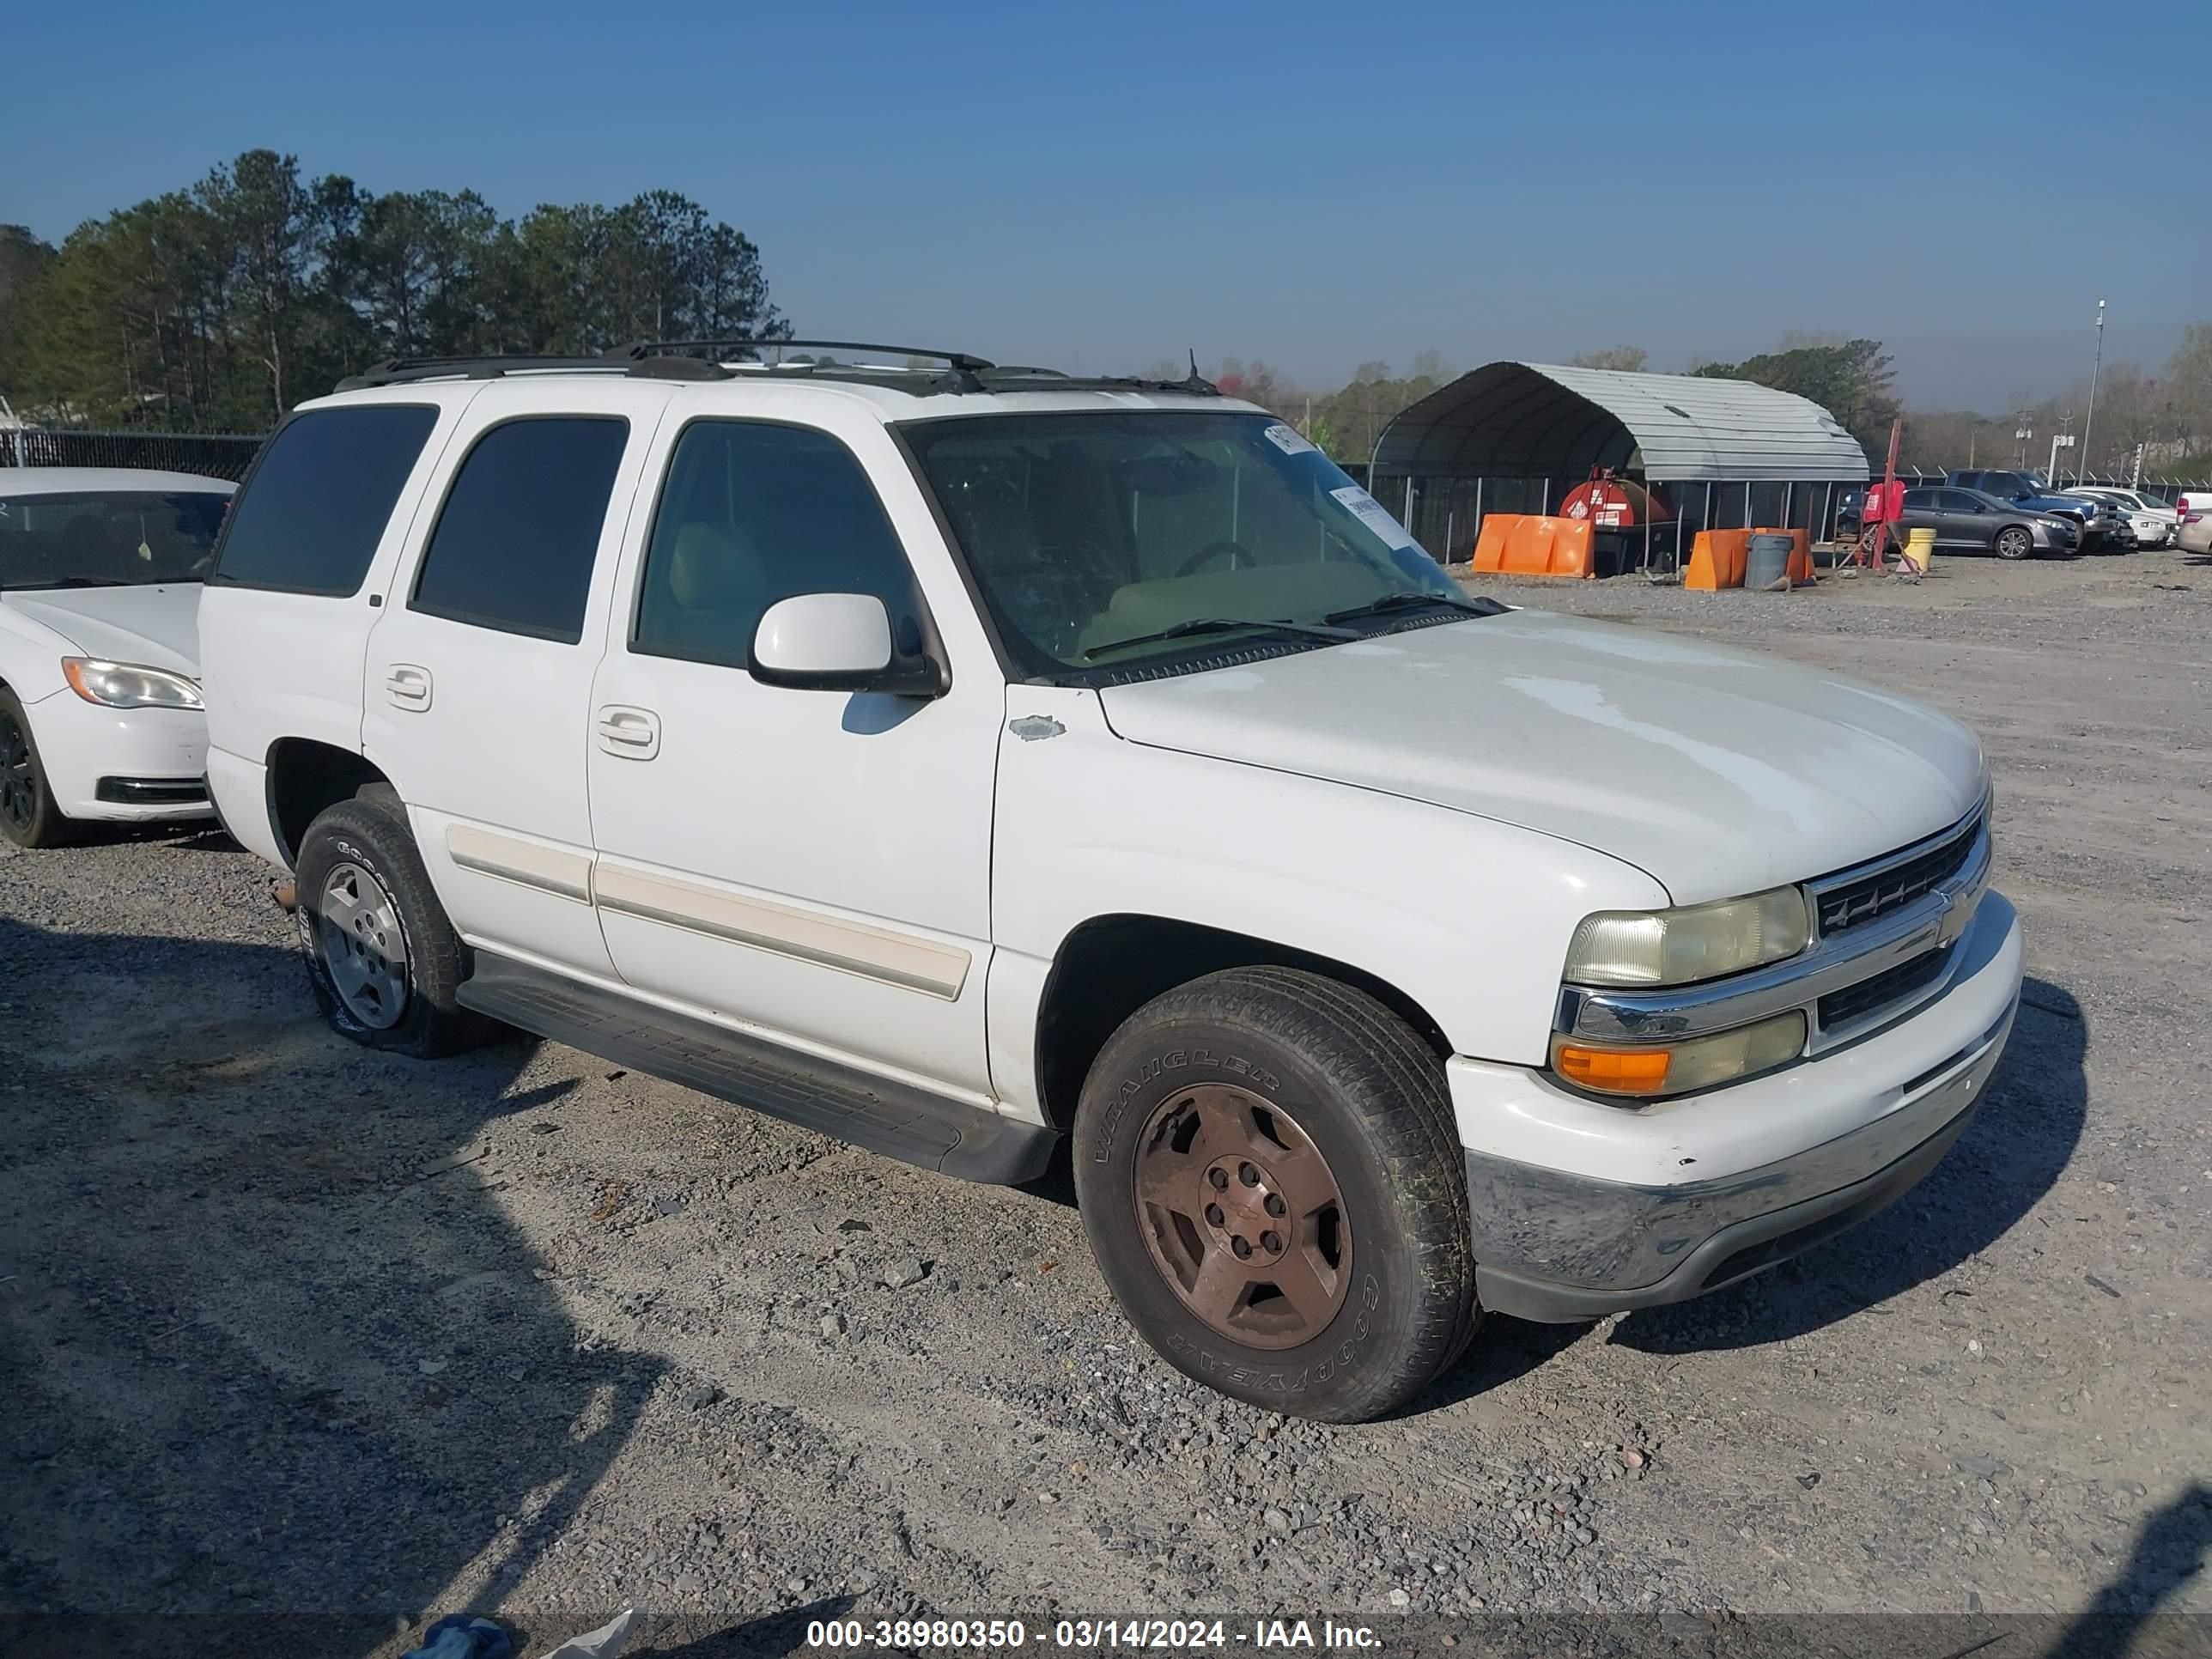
<point x="1919" y="549"/>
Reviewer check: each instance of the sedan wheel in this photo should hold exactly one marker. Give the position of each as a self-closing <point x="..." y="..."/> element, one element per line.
<point x="19" y="784"/>
<point x="2013" y="543"/>
<point x="29" y="817"/>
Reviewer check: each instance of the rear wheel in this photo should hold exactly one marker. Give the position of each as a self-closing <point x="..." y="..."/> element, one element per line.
<point x="385" y="962"/>
<point x="1269" y="1172"/>
<point x="29" y="817"/>
<point x="2015" y="543"/>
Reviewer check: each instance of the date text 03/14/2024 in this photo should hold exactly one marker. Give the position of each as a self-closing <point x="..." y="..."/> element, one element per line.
<point x="1005" y="1635"/>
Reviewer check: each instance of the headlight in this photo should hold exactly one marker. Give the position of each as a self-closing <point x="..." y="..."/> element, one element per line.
<point x="1678" y="947"/>
<point x="127" y="684"/>
<point x="1676" y="1068"/>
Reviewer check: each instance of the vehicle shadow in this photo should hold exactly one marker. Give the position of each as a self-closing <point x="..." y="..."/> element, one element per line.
<point x="185" y="835"/>
<point x="770" y="1636"/>
<point x="2022" y="1136"/>
<point x="267" y="1339"/>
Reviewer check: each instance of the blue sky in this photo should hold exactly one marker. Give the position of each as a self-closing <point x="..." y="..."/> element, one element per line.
<point x="1101" y="186"/>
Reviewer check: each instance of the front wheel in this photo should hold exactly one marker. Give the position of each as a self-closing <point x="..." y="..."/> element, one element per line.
<point x="29" y="817"/>
<point x="385" y="963"/>
<point x="2013" y="543"/>
<point x="1269" y="1176"/>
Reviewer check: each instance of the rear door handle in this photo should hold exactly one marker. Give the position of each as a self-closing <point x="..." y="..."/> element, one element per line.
<point x="632" y="733"/>
<point x="408" y="686"/>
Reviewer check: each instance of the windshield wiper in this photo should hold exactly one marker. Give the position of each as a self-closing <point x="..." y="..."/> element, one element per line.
<point x="1391" y="602"/>
<point x="1223" y="625"/>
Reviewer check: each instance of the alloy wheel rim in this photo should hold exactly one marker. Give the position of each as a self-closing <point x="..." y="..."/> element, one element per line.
<point x="19" y="783"/>
<point x="1245" y="1220"/>
<point x="364" y="949"/>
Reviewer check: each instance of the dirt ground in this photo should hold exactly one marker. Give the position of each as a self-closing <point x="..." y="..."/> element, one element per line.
<point x="286" y="1326"/>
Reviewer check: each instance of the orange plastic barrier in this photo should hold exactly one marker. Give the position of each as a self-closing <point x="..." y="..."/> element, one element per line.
<point x="1716" y="559"/>
<point x="1524" y="545"/>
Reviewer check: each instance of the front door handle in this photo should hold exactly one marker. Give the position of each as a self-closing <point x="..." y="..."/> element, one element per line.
<point x="632" y="733"/>
<point x="408" y="686"/>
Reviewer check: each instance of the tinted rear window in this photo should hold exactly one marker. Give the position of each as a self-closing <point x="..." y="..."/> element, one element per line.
<point x="312" y="513"/>
<point x="516" y="538"/>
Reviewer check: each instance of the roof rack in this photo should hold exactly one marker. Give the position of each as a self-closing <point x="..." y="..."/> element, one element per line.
<point x="710" y="360"/>
<point x="400" y="371"/>
<point x="963" y="371"/>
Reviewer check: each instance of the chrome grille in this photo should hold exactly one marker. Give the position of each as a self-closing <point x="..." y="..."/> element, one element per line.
<point x="1854" y="901"/>
<point x="1840" y="1009"/>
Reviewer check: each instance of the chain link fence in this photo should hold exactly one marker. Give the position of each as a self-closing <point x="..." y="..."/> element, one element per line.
<point x="210" y="454"/>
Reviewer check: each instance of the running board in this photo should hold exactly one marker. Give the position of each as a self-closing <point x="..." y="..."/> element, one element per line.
<point x="899" y="1120"/>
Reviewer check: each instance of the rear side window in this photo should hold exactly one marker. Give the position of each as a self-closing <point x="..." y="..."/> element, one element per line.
<point x="515" y="541"/>
<point x="312" y="514"/>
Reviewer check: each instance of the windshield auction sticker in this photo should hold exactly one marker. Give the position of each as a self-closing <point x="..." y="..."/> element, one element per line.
<point x="1372" y="514"/>
<point x="1286" y="439"/>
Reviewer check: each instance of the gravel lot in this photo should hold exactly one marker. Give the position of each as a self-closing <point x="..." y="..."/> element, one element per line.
<point x="284" y="1325"/>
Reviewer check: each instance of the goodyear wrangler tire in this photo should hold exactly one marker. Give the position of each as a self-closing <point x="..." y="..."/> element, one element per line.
<point x="1269" y="1172"/>
<point x="385" y="962"/>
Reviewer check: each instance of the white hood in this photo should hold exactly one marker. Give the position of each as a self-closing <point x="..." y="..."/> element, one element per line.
<point x="157" y="625"/>
<point x="1717" y="771"/>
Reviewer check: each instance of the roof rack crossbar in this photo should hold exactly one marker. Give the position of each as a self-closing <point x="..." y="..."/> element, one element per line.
<point x="958" y="360"/>
<point x="400" y="371"/>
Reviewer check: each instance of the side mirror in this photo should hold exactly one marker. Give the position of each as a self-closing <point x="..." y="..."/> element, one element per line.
<point x="836" y="642"/>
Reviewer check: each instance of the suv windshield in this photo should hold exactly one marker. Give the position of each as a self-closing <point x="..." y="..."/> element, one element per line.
<point x="1104" y="541"/>
<point x="107" y="539"/>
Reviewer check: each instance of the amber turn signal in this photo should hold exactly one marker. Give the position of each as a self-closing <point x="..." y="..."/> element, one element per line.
<point x="1616" y="1071"/>
<point x="1674" y="1069"/>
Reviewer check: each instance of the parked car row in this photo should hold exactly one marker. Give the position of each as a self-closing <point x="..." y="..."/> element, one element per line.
<point x="958" y="761"/>
<point x="2013" y="515"/>
<point x="2149" y="522"/>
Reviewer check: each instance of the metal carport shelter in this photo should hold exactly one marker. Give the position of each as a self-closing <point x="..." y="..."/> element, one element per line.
<point x="1514" y="437"/>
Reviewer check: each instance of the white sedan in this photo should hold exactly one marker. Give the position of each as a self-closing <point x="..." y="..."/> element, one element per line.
<point x="2152" y="520"/>
<point x="100" y="698"/>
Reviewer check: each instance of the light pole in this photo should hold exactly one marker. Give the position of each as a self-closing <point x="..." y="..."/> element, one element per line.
<point x="2023" y="434"/>
<point x="2089" y="420"/>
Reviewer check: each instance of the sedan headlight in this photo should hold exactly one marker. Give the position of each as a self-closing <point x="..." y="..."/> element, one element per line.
<point x="1700" y="941"/>
<point x="127" y="684"/>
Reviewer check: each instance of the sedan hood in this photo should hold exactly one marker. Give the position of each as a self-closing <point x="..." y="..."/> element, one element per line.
<point x="158" y="626"/>
<point x="1716" y="771"/>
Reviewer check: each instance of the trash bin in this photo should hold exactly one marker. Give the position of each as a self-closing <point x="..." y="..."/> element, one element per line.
<point x="1766" y="561"/>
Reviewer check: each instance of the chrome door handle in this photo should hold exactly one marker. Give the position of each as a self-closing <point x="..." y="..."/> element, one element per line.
<point x="632" y="733"/>
<point x="408" y="686"/>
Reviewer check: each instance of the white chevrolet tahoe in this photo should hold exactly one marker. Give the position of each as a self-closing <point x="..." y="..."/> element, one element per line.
<point x="954" y="759"/>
